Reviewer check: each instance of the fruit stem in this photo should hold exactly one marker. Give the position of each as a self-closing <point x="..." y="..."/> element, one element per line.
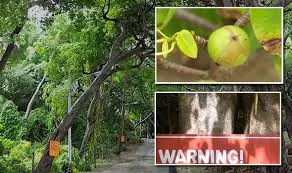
<point x="163" y="35"/>
<point x="243" y="20"/>
<point x="199" y="39"/>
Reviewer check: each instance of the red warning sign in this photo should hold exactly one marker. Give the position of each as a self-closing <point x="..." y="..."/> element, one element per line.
<point x="186" y="149"/>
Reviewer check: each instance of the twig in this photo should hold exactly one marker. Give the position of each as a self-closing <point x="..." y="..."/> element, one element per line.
<point x="243" y="20"/>
<point x="200" y="40"/>
<point x="180" y="68"/>
<point x="228" y="3"/>
<point x="280" y="3"/>
<point x="256" y="3"/>
<point x="194" y="19"/>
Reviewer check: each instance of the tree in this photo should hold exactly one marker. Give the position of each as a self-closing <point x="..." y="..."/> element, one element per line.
<point x="140" y="49"/>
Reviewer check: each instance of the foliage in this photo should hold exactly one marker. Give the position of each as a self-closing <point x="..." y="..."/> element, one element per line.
<point x="61" y="164"/>
<point x="18" y="83"/>
<point x="56" y="98"/>
<point x="17" y="11"/>
<point x="11" y="125"/>
<point x="18" y="159"/>
<point x="39" y="125"/>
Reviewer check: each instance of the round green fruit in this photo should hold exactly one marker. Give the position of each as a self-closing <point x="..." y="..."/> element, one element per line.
<point x="229" y="46"/>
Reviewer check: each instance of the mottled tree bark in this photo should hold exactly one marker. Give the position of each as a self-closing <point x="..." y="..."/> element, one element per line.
<point x="207" y="113"/>
<point x="267" y="118"/>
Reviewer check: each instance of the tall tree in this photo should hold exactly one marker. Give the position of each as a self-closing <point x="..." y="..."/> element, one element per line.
<point x="140" y="47"/>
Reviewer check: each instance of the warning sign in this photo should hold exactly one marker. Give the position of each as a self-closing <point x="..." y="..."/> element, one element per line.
<point x="185" y="149"/>
<point x="54" y="148"/>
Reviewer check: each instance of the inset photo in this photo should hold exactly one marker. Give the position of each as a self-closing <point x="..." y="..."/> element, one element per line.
<point x="212" y="128"/>
<point x="219" y="45"/>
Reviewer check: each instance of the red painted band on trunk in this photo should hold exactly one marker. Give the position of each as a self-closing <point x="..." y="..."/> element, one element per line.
<point x="176" y="149"/>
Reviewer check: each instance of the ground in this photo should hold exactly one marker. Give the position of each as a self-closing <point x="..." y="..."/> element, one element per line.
<point x="139" y="158"/>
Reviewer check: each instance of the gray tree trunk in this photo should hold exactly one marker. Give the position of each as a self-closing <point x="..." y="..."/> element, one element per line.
<point x="207" y="113"/>
<point x="33" y="98"/>
<point x="267" y="118"/>
<point x="90" y="113"/>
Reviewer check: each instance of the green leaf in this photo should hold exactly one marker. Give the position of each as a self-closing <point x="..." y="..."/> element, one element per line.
<point x="165" y="48"/>
<point x="164" y="15"/>
<point x="267" y="26"/>
<point x="186" y="43"/>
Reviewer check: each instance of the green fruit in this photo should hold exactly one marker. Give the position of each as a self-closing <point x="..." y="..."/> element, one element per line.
<point x="229" y="46"/>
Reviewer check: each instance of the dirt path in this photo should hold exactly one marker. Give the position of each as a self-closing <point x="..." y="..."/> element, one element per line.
<point x="140" y="159"/>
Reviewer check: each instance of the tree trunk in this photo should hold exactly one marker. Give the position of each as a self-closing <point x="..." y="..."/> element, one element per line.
<point x="266" y="120"/>
<point x="33" y="98"/>
<point x="123" y="111"/>
<point x="288" y="112"/>
<point x="90" y="113"/>
<point x="207" y="113"/>
<point x="9" y="48"/>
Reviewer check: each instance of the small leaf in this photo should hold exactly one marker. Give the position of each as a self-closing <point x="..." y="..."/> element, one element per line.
<point x="256" y="101"/>
<point x="165" y="48"/>
<point x="186" y="43"/>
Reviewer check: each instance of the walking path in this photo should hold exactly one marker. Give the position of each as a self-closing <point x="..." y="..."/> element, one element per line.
<point x="140" y="159"/>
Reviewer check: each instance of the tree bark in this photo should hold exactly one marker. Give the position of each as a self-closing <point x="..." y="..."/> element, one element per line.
<point x="46" y="161"/>
<point x="267" y="118"/>
<point x="207" y="113"/>
<point x="33" y="98"/>
<point x="90" y="113"/>
<point x="288" y="112"/>
<point x="264" y="121"/>
<point x="9" y="48"/>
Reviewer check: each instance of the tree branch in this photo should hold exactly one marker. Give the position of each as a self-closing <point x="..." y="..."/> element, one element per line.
<point x="200" y="40"/>
<point x="180" y="68"/>
<point x="194" y="19"/>
<point x="104" y="13"/>
<point x="228" y="3"/>
<point x="281" y="3"/>
<point x="143" y="120"/>
<point x="256" y="3"/>
<point x="118" y="42"/>
<point x="243" y="20"/>
<point x="33" y="98"/>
